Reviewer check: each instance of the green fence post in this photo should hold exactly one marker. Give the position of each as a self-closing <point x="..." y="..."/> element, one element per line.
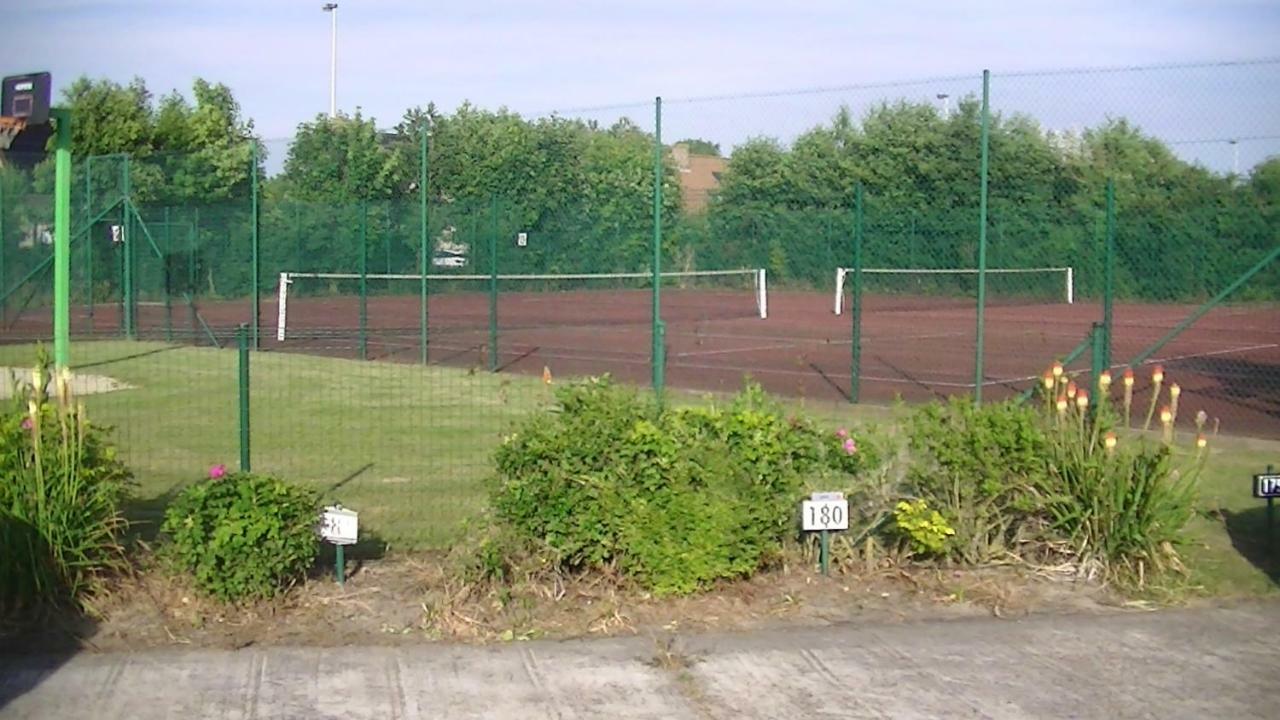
<point x="855" y="369"/>
<point x="242" y="340"/>
<point x="253" y="242"/>
<point x="192" y="240"/>
<point x="4" y="277"/>
<point x="979" y="346"/>
<point x="424" y="261"/>
<point x="1109" y="273"/>
<point x="493" y="283"/>
<point x="364" y="281"/>
<point x="88" y="236"/>
<point x="126" y="254"/>
<point x="62" y="240"/>
<point x="658" y="328"/>
<point x="1097" y="360"/>
<point x="168" y="303"/>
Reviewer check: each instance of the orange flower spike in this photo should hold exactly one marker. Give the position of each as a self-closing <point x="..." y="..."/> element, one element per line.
<point x="1157" y="374"/>
<point x="1082" y="400"/>
<point x="1057" y="370"/>
<point x="1072" y="390"/>
<point x="1104" y="380"/>
<point x="1128" y="377"/>
<point x="1109" y="441"/>
<point x="1166" y="415"/>
<point x="1062" y="404"/>
<point x="1047" y="380"/>
<point x="1174" y="391"/>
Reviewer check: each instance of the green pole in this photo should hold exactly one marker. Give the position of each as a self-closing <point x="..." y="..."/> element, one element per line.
<point x="242" y="340"/>
<point x="4" y="277"/>
<point x="193" y="237"/>
<point x="659" y="329"/>
<point x="253" y="242"/>
<point x="62" y="240"/>
<point x="424" y="261"/>
<point x="1097" y="360"/>
<point x="126" y="253"/>
<point x="978" y="375"/>
<point x="493" y="283"/>
<point x="1206" y="307"/>
<point x="364" y="281"/>
<point x="168" y="302"/>
<point x="1109" y="273"/>
<point x="855" y="368"/>
<point x="88" y="245"/>
<point x="824" y="552"/>
<point x="340" y="567"/>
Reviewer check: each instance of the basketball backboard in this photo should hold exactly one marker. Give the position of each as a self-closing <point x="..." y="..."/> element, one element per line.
<point x="27" y="97"/>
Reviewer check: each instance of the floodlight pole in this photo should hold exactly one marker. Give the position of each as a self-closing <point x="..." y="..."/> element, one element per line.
<point x="332" y="9"/>
<point x="62" y="239"/>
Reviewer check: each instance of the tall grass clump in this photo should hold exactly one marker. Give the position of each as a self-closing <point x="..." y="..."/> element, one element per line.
<point x="60" y="518"/>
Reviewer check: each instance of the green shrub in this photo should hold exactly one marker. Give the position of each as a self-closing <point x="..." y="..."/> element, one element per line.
<point x="981" y="468"/>
<point x="924" y="529"/>
<point x="243" y="536"/>
<point x="675" y="498"/>
<point x="60" y="520"/>
<point x="1120" y="502"/>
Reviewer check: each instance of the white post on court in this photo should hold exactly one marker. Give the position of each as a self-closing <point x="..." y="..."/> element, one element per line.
<point x="281" y="312"/>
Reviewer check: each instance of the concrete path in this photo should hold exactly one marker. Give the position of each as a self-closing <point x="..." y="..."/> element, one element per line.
<point x="1217" y="663"/>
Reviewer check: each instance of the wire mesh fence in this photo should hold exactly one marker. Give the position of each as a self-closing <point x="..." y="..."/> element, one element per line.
<point x="411" y="293"/>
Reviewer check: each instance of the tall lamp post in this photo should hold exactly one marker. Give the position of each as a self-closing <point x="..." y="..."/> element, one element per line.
<point x="332" y="9"/>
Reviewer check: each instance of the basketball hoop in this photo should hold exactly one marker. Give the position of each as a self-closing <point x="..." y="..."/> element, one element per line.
<point x="9" y="129"/>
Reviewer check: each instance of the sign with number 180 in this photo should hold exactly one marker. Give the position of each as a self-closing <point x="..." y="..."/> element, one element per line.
<point x="825" y="514"/>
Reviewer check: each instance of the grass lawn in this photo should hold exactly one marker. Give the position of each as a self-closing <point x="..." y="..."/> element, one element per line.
<point x="409" y="447"/>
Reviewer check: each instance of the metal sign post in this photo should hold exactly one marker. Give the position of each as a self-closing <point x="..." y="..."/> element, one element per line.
<point x="1267" y="485"/>
<point x="824" y="512"/>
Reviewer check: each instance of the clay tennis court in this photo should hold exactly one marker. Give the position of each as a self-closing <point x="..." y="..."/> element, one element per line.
<point x="916" y="348"/>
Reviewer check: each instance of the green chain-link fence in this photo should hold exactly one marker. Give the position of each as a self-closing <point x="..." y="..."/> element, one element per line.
<point x="828" y="243"/>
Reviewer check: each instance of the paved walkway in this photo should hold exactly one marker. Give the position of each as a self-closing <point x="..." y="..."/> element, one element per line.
<point x="1218" y="663"/>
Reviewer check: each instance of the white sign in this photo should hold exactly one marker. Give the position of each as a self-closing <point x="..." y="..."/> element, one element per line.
<point x="339" y="525"/>
<point x="522" y="239"/>
<point x="117" y="234"/>
<point x="451" y="261"/>
<point x="1266" y="486"/>
<point x="825" y="514"/>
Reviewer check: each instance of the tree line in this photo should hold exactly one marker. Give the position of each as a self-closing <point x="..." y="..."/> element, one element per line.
<point x="584" y="191"/>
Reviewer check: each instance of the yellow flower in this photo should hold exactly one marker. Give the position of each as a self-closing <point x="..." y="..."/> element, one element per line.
<point x="1047" y="380"/>
<point x="1174" y="391"/>
<point x="1109" y="441"/>
<point x="1062" y="404"/>
<point x="1072" y="390"/>
<point x="1082" y="400"/>
<point x="1157" y="374"/>
<point x="1166" y="415"/>
<point x="1128" y="377"/>
<point x="1201" y="441"/>
<point x="1057" y="370"/>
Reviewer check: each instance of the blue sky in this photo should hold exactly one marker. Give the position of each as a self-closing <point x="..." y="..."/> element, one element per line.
<point x="563" y="54"/>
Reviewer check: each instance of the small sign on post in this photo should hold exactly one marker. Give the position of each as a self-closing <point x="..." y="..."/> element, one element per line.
<point x="1267" y="485"/>
<point x="822" y="513"/>
<point x="341" y="527"/>
<point x="522" y="239"/>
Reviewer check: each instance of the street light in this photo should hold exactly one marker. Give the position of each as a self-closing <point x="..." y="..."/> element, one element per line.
<point x="332" y="9"/>
<point x="1235" y="157"/>
<point x="946" y="106"/>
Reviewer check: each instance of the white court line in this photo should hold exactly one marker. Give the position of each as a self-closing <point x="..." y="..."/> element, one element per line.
<point x="697" y="353"/>
<point x="1149" y="361"/>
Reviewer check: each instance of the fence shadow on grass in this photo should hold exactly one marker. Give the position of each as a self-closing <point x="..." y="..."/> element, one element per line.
<point x="1256" y="542"/>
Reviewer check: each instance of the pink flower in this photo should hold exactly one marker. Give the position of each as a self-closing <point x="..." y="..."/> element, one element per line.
<point x="850" y="447"/>
<point x="842" y="433"/>
<point x="26" y="423"/>
<point x="217" y="472"/>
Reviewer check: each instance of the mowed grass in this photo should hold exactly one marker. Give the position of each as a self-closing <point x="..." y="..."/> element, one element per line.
<point x="405" y="445"/>
<point x="410" y="447"/>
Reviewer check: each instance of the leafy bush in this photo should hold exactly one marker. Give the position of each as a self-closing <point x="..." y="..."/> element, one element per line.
<point x="60" y="520"/>
<point x="675" y="498"/>
<point x="243" y="536"/>
<point x="980" y="467"/>
<point x="923" y="528"/>
<point x="1120" y="504"/>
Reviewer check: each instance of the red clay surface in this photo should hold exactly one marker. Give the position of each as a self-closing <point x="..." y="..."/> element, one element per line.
<point x="1228" y="363"/>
